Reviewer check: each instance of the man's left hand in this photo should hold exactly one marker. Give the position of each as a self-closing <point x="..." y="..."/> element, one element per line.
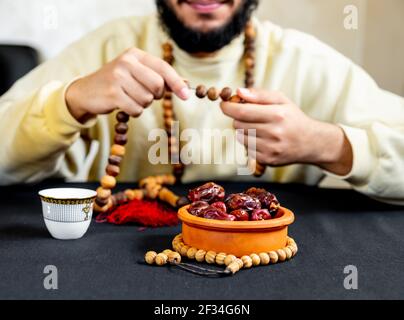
<point x="286" y="135"/>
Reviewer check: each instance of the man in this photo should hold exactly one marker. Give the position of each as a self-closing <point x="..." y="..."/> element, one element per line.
<point x="315" y="114"/>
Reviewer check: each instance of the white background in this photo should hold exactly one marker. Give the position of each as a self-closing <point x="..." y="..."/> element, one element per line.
<point x="378" y="44"/>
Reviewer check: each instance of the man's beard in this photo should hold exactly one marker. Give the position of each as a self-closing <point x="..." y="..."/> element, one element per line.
<point x="194" y="41"/>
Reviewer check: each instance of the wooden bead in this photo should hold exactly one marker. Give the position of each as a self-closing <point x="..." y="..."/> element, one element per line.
<point x="226" y="94"/>
<point x="172" y="141"/>
<point x="293" y="249"/>
<point x="249" y="63"/>
<point x="168" y="114"/>
<point x="288" y="252"/>
<point x="118" y="150"/>
<point x="122" y="117"/>
<point x="234" y="267"/>
<point x="247" y="262"/>
<point x="201" y="91"/>
<point x="236" y="99"/>
<point x="200" y="255"/>
<point x="213" y="94"/>
<point x="112" y="171"/>
<point x="259" y="169"/>
<point x="167" y="104"/>
<point x="138" y="194"/>
<point x="220" y="258"/>
<point x="121" y="139"/>
<point x="168" y="95"/>
<point x="174" y="258"/>
<point x="103" y="193"/>
<point x="169" y="179"/>
<point x="256" y="261"/>
<point x="147" y="181"/>
<point x="174" y="150"/>
<point x="249" y="75"/>
<point x="274" y="257"/>
<point x="177" y="246"/>
<point x="161" y="259"/>
<point x="115" y="160"/>
<point x="153" y="191"/>
<point x="184" y="250"/>
<point x="281" y="254"/>
<point x="167" y="251"/>
<point x="167" y="47"/>
<point x="108" y="182"/>
<point x="191" y="253"/>
<point x="230" y="259"/>
<point x="210" y="257"/>
<point x="130" y="194"/>
<point x="290" y="241"/>
<point x="168" y="196"/>
<point x="240" y="262"/>
<point x="101" y="202"/>
<point x="249" y="84"/>
<point x="168" y="123"/>
<point x="265" y="259"/>
<point x="121" y="128"/>
<point x="100" y="209"/>
<point x="250" y="53"/>
<point x="250" y="31"/>
<point x="150" y="257"/>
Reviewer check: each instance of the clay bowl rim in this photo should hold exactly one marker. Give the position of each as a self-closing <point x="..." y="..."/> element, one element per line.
<point x="286" y="219"/>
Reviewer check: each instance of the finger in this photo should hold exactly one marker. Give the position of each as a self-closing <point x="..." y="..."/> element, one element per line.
<point x="258" y="96"/>
<point x="130" y="106"/>
<point x="249" y="126"/>
<point x="150" y="79"/>
<point x="170" y="76"/>
<point x="138" y="93"/>
<point x="247" y="112"/>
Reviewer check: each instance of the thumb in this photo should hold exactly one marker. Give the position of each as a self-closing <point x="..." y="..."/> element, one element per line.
<point x="258" y="96"/>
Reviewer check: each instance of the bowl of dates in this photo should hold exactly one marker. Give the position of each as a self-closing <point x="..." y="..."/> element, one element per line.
<point x="242" y="223"/>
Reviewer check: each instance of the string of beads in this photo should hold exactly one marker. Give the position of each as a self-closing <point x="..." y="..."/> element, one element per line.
<point x="231" y="262"/>
<point x="105" y="200"/>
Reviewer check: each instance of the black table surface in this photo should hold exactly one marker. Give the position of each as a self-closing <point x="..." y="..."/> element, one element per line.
<point x="333" y="228"/>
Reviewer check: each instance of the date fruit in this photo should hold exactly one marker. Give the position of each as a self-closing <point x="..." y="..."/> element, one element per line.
<point x="260" y="214"/>
<point x="241" y="215"/>
<point x="242" y="201"/>
<point x="220" y="205"/>
<point x="216" y="214"/>
<point x="197" y="208"/>
<point x="209" y="192"/>
<point x="267" y="199"/>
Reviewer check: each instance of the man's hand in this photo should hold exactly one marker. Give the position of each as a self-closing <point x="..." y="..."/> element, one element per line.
<point x="286" y="135"/>
<point x="130" y="82"/>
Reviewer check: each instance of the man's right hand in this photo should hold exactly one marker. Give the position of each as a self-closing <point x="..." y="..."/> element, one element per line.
<point x="131" y="83"/>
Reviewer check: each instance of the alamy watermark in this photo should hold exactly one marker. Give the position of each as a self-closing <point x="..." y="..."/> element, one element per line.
<point x="50" y="282"/>
<point x="206" y="146"/>
<point x="351" y="21"/>
<point x="351" y="280"/>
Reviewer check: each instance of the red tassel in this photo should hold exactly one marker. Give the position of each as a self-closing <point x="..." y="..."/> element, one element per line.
<point x="142" y="212"/>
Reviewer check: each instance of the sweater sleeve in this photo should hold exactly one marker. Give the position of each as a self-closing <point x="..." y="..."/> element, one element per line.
<point x="373" y="121"/>
<point x="36" y="126"/>
<point x="331" y="88"/>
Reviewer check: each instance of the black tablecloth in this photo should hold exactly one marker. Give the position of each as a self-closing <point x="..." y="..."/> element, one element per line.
<point x="333" y="228"/>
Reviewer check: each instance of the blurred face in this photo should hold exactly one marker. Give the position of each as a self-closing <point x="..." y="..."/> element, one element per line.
<point x="205" y="15"/>
<point x="204" y="26"/>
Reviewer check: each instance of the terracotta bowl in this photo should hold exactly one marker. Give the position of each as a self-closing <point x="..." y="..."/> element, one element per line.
<point x="236" y="237"/>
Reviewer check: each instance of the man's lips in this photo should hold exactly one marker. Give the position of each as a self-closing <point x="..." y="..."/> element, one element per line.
<point x="205" y="6"/>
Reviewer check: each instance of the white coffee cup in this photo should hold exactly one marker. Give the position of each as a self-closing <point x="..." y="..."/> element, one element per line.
<point x="67" y="211"/>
